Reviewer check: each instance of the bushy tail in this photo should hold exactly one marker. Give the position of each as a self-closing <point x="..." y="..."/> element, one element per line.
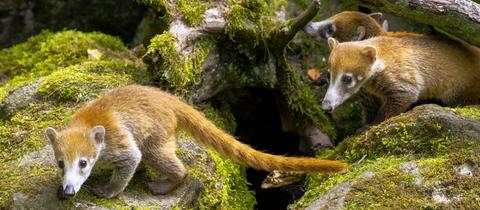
<point x="206" y="132"/>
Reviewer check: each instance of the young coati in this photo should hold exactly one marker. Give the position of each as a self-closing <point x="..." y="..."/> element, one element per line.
<point x="348" y="26"/>
<point x="137" y="123"/>
<point x="403" y="69"/>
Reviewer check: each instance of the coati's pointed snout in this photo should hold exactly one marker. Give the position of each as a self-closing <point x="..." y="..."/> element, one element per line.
<point x="69" y="190"/>
<point x="327" y="105"/>
<point x="320" y="31"/>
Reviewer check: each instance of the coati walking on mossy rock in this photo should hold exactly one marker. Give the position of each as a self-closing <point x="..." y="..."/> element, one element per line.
<point x="135" y="123"/>
<point x="403" y="69"/>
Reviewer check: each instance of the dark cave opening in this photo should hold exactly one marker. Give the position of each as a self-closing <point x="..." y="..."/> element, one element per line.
<point x="259" y="125"/>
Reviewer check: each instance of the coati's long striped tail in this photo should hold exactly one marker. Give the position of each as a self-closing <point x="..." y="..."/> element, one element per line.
<point x="206" y="132"/>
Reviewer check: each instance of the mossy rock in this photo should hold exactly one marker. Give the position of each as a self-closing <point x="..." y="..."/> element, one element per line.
<point x="425" y="158"/>
<point x="36" y="96"/>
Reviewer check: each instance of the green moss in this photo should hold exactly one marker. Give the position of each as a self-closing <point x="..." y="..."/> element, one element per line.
<point x="193" y="11"/>
<point x="399" y="135"/>
<point x="396" y="189"/>
<point x="221" y="116"/>
<point x="179" y="71"/>
<point x="318" y="184"/>
<point x="250" y="23"/>
<point x="428" y="141"/>
<point x="27" y="180"/>
<point x="301" y="98"/>
<point x="23" y="132"/>
<point x="390" y="188"/>
<point x="75" y="82"/>
<point x="468" y="111"/>
<point x="227" y="187"/>
<point x="234" y="193"/>
<point x="47" y="51"/>
<point x="59" y="63"/>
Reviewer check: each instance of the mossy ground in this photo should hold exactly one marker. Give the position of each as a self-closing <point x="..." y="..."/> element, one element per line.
<point x="468" y="111"/>
<point x="67" y="78"/>
<point x="234" y="192"/>
<point x="64" y="84"/>
<point x="226" y="187"/>
<point x="192" y="11"/>
<point x="436" y="150"/>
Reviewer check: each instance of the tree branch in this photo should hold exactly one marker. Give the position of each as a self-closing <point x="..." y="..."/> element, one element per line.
<point x="460" y="18"/>
<point x="286" y="34"/>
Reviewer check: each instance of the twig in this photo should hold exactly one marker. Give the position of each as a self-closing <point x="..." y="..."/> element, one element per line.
<point x="286" y="34"/>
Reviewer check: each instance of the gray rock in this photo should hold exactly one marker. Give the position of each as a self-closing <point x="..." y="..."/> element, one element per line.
<point x="20" y="98"/>
<point x="186" y="196"/>
<point x="335" y="197"/>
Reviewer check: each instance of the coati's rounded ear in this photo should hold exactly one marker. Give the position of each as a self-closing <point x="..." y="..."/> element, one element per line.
<point x="377" y="16"/>
<point x="385" y="25"/>
<point x="370" y="52"/>
<point x="332" y="43"/>
<point x="51" y="134"/>
<point x="98" y="134"/>
<point x="359" y="33"/>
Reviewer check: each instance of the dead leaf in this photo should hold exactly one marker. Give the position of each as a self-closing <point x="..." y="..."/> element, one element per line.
<point x="313" y="74"/>
<point x="94" y="54"/>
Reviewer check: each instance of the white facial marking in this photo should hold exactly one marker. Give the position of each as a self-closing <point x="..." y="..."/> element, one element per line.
<point x="359" y="78"/>
<point x="333" y="93"/>
<point x="377" y="66"/>
<point x="74" y="175"/>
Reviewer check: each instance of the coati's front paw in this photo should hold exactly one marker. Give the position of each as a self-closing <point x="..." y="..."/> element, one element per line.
<point x="103" y="192"/>
<point x="162" y="187"/>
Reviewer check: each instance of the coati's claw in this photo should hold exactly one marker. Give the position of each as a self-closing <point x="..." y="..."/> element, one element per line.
<point x="162" y="187"/>
<point x="102" y="192"/>
<point x="60" y="193"/>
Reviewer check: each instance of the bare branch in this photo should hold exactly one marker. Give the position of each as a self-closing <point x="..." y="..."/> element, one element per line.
<point x="285" y="34"/>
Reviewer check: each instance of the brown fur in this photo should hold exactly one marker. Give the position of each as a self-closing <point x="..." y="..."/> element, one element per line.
<point x="348" y="21"/>
<point x="346" y="26"/>
<point x="153" y="117"/>
<point x="417" y="67"/>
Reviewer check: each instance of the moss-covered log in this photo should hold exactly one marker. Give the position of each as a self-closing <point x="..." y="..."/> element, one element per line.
<point x="460" y="18"/>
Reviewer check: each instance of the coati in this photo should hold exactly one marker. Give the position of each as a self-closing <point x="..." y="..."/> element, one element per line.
<point x="403" y="69"/>
<point x="348" y="26"/>
<point x="136" y="123"/>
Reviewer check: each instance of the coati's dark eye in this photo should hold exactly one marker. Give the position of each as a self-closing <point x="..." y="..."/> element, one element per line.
<point x="61" y="164"/>
<point x="346" y="79"/>
<point x="82" y="163"/>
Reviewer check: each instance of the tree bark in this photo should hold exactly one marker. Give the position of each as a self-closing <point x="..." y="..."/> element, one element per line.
<point x="460" y="18"/>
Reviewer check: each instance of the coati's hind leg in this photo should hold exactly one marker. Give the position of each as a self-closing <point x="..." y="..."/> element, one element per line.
<point x="160" y="154"/>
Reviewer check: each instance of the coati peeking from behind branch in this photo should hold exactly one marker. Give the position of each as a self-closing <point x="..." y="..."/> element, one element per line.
<point x="348" y="26"/>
